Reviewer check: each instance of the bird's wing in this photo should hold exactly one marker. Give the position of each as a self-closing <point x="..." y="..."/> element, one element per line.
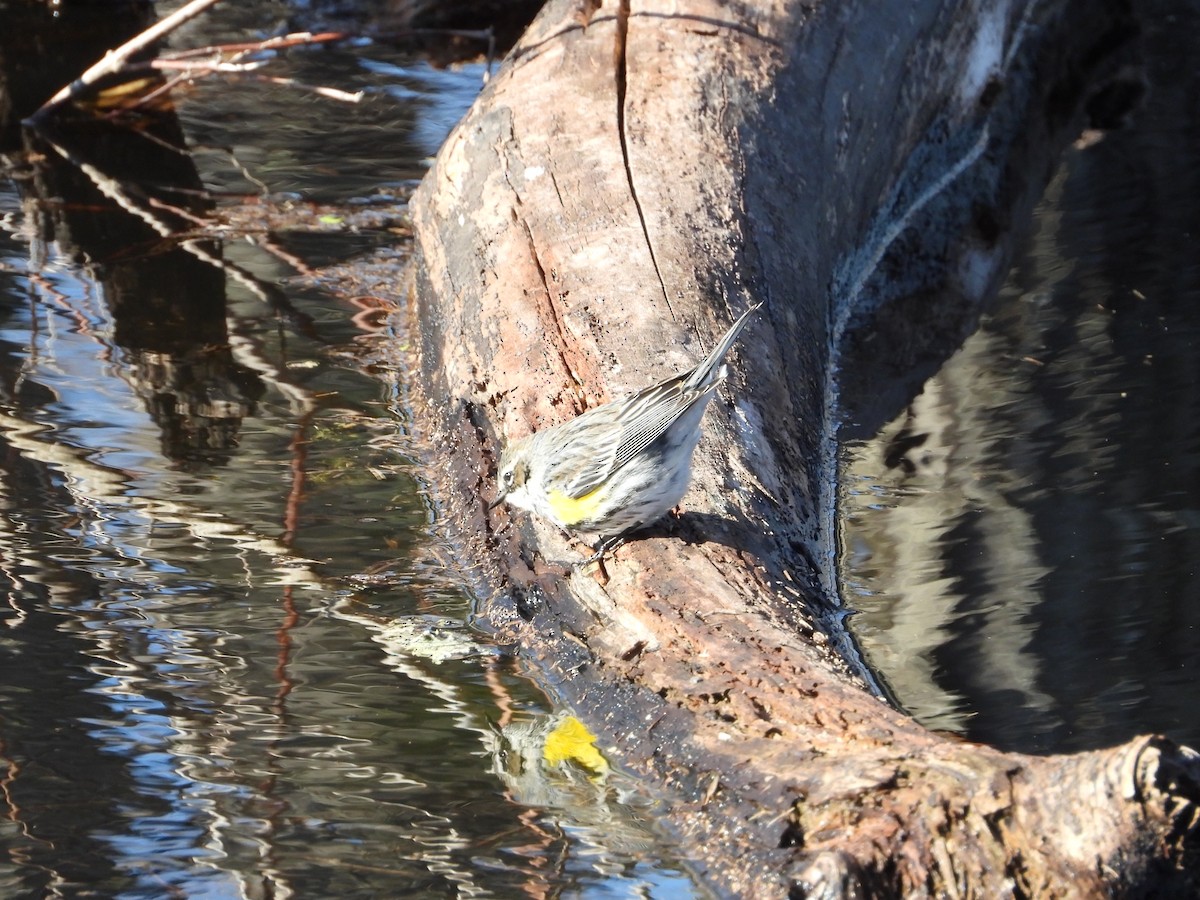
<point x="606" y="438"/>
<point x="602" y="440"/>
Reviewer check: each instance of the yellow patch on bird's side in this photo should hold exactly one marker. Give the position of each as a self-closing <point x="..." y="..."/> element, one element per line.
<point x="573" y="510"/>
<point x="571" y="742"/>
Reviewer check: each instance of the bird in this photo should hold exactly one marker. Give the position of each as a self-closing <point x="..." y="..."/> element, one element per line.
<point x="620" y="466"/>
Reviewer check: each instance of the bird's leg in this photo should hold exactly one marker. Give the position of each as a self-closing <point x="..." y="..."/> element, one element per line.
<point x="606" y="546"/>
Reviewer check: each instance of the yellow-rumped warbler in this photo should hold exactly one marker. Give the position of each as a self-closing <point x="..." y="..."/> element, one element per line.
<point x="619" y="466"/>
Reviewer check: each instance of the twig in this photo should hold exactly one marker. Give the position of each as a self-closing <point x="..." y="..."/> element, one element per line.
<point x="296" y="39"/>
<point x="223" y="58"/>
<point x="116" y="59"/>
<point x="326" y="92"/>
<point x="192" y="67"/>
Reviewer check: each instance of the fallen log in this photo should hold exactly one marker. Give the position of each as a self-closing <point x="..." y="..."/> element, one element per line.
<point x="633" y="178"/>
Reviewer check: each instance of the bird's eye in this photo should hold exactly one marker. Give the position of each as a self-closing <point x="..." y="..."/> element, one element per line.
<point x="508" y="477"/>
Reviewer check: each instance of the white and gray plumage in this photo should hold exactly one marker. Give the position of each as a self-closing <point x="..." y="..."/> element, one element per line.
<point x="622" y="465"/>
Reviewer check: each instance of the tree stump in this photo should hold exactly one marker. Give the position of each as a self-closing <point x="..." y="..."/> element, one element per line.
<point x="632" y="178"/>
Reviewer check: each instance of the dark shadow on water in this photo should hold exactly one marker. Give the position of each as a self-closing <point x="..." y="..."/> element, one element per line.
<point x="1022" y="538"/>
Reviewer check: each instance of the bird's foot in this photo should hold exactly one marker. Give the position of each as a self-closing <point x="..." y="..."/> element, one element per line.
<point x="604" y="548"/>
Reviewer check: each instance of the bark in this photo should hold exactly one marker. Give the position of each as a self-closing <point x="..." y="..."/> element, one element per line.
<point x="625" y="186"/>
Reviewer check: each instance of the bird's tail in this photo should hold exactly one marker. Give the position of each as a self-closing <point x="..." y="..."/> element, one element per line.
<point x="712" y="368"/>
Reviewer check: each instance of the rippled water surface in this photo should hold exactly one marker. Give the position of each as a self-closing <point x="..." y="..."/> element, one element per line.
<point x="1022" y="541"/>
<point x="214" y="560"/>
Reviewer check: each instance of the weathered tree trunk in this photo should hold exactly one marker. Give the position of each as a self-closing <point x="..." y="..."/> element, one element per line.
<point x="626" y="186"/>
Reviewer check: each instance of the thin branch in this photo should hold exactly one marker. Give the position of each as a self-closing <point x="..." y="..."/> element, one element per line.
<point x="327" y="92"/>
<point x="296" y="39"/>
<point x="115" y="60"/>
<point x="224" y="58"/>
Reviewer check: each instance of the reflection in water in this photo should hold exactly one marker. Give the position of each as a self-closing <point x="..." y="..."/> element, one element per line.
<point x="203" y="694"/>
<point x="1022" y="541"/>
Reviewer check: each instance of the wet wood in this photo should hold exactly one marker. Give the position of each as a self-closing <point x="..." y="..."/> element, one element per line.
<point x="633" y="177"/>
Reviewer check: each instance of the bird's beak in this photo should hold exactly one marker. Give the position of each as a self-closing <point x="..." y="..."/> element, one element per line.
<point x="499" y="499"/>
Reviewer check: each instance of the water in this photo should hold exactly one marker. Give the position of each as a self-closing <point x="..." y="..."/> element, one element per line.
<point x="214" y="557"/>
<point x="1022" y="541"/>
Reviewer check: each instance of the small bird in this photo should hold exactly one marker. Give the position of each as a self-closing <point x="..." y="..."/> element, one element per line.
<point x="622" y="465"/>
